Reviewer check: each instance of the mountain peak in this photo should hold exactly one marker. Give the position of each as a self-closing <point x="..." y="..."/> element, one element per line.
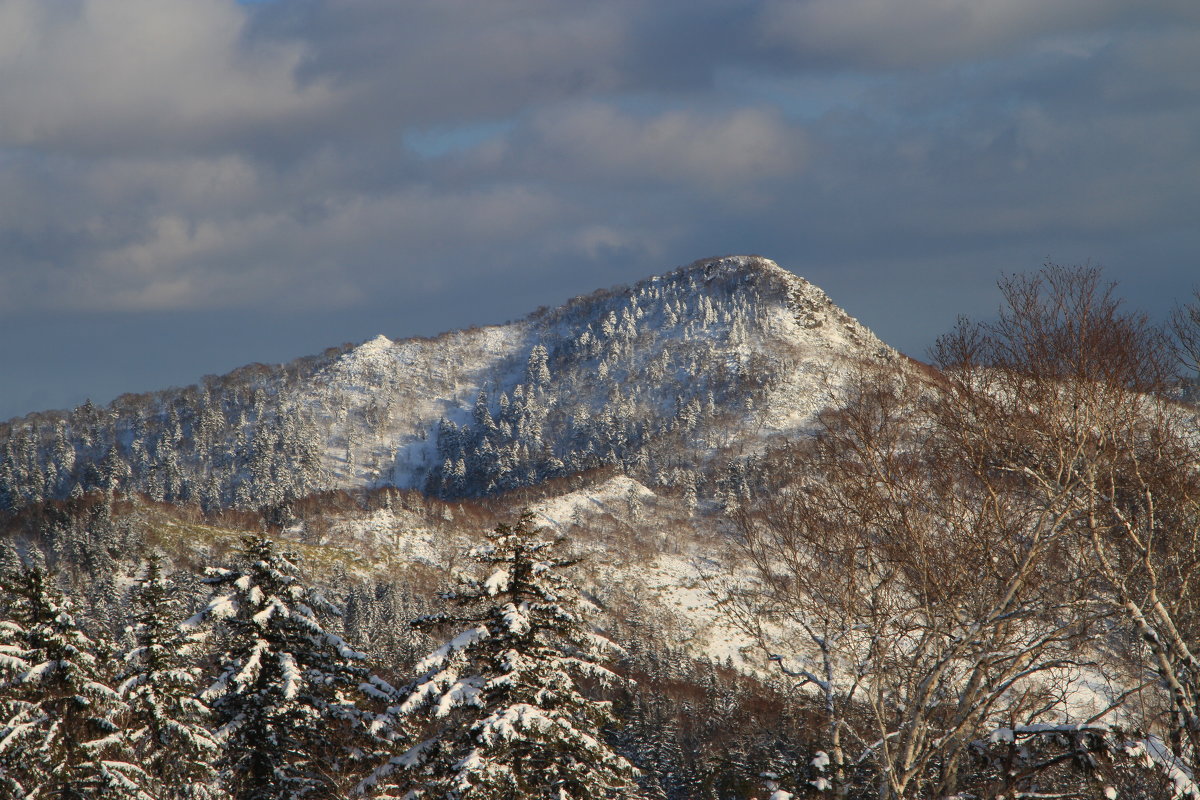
<point x="812" y="307"/>
<point x="737" y="264"/>
<point x="377" y="344"/>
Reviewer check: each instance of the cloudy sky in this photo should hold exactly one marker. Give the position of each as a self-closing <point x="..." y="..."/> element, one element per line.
<point x="190" y="185"/>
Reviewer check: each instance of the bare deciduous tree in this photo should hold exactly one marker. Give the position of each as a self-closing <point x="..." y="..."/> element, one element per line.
<point x="1087" y="396"/>
<point x="923" y="592"/>
<point x="960" y="547"/>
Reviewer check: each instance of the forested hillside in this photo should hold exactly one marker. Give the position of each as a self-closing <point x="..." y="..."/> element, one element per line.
<point x="702" y="538"/>
<point x="665" y="379"/>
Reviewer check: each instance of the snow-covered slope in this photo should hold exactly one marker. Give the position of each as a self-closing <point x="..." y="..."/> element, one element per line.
<point x="663" y="379"/>
<point x="716" y="357"/>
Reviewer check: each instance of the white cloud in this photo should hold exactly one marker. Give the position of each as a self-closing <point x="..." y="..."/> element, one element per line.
<point x="112" y="75"/>
<point x="597" y="142"/>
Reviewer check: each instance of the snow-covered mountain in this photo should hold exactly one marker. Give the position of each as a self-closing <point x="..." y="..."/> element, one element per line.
<point x="874" y="571"/>
<point x="664" y="379"/>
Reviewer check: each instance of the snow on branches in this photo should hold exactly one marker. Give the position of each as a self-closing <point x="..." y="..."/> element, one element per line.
<point x="499" y="710"/>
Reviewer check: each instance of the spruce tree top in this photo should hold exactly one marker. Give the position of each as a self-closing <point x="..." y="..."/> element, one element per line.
<point x="500" y="706"/>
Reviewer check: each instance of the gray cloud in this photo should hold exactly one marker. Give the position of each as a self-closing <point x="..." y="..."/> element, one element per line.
<point x="436" y="163"/>
<point x="884" y="34"/>
<point x="601" y="145"/>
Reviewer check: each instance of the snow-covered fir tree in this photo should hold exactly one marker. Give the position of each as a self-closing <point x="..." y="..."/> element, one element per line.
<point x="60" y="737"/>
<point x="499" y="707"/>
<point x="168" y="724"/>
<point x="284" y="699"/>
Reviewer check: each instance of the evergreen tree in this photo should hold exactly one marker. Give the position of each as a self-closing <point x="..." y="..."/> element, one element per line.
<point x="502" y="697"/>
<point x="283" y="699"/>
<point x="59" y="732"/>
<point x="168" y="727"/>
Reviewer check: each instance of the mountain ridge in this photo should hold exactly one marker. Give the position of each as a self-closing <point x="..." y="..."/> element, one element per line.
<point x="664" y="377"/>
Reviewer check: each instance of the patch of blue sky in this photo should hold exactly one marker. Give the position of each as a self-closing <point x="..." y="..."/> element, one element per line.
<point x="443" y="140"/>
